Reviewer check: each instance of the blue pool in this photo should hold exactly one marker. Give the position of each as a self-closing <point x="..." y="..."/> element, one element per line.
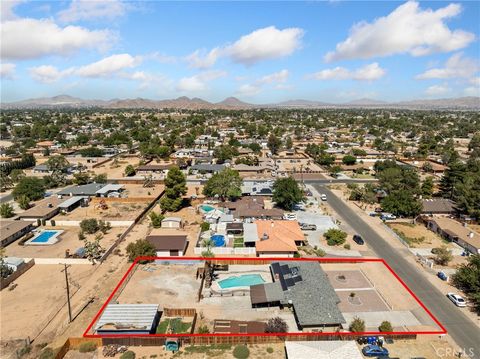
<point x="45" y="237"/>
<point x="244" y="280"/>
<point x="218" y="240"/>
<point x="206" y="208"/>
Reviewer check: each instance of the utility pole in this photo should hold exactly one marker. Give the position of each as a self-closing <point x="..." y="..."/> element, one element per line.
<point x="68" y="292"/>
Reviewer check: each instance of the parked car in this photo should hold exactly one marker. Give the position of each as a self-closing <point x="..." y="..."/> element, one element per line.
<point x="358" y="239"/>
<point x="290" y="216"/>
<point x="387" y="216"/>
<point x="374" y="351"/>
<point x="457" y="300"/>
<point x="308" y="227"/>
<point x="323" y="197"/>
<point x="442" y="275"/>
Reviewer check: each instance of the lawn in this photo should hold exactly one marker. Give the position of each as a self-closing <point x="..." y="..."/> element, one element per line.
<point x="238" y="243"/>
<point x="175" y="324"/>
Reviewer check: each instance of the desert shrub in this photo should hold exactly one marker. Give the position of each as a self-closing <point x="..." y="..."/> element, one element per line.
<point x="269" y="350"/>
<point x="347" y="246"/>
<point x="276" y="325"/>
<point x="335" y="237"/>
<point x="24" y="351"/>
<point x="47" y="353"/>
<point x="358" y="325"/>
<point x="241" y="352"/>
<point x="128" y="355"/>
<point x="87" y="347"/>
<point x="89" y="226"/>
<point x="203" y="329"/>
<point x="205" y="226"/>
<point x="386" y="326"/>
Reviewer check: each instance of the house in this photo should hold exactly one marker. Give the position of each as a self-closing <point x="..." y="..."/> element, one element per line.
<point x="278" y="238"/>
<point x="304" y="287"/>
<point x="110" y="190"/>
<point x="89" y="190"/>
<point x="43" y="168"/>
<point x="438" y="206"/>
<point x="234" y="228"/>
<point x="154" y="169"/>
<point x="251" y="188"/>
<point x="207" y="168"/>
<point x="11" y="230"/>
<point x="324" y="349"/>
<point x="168" y="243"/>
<point x="128" y="319"/>
<point x="456" y="232"/>
<point x="172" y="222"/>
<point x="225" y="326"/>
<point x="72" y="203"/>
<point x="43" y="210"/>
<point x="252" y="207"/>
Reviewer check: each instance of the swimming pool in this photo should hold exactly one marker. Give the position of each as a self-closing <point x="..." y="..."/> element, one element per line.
<point x="206" y="208"/>
<point x="45" y="237"/>
<point x="218" y="240"/>
<point x="244" y="280"/>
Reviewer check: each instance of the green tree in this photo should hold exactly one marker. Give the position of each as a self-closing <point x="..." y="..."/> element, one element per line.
<point x="81" y="178"/>
<point x="175" y="188"/>
<point x="91" y="152"/>
<point x="276" y="325"/>
<point x="402" y="203"/>
<point x="467" y="279"/>
<point x="385" y="326"/>
<point x="288" y="143"/>
<point x="6" y="210"/>
<point x="287" y="193"/>
<point x="130" y="171"/>
<point x="357" y="325"/>
<point x="241" y="351"/>
<point x="442" y="255"/>
<point x="59" y="166"/>
<point x="335" y="237"/>
<point x="100" y="178"/>
<point x="156" y="219"/>
<point x="349" y="160"/>
<point x="274" y="143"/>
<point x="224" y="184"/>
<point x="5" y="270"/>
<point x="140" y="248"/>
<point x="23" y="202"/>
<point x="224" y="153"/>
<point x="89" y="226"/>
<point x="31" y="187"/>
<point x="427" y="187"/>
<point x="16" y="175"/>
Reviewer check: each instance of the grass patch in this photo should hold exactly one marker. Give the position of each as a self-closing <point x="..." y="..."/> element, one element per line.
<point x="175" y="324"/>
<point x="238" y="243"/>
<point x="162" y="327"/>
<point x="209" y="350"/>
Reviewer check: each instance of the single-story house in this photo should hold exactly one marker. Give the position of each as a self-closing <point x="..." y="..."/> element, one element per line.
<point x="323" y="349"/>
<point x="456" y="232"/>
<point x="71" y="203"/>
<point x="168" y="243"/>
<point x="226" y="326"/>
<point x="278" y="238"/>
<point x="110" y="190"/>
<point x="11" y="230"/>
<point x="304" y="287"/>
<point x="43" y="210"/>
<point x="438" y="206"/>
<point x="89" y="190"/>
<point x="207" y="168"/>
<point x="257" y="188"/>
<point x="172" y="222"/>
<point x="43" y="168"/>
<point x="128" y="319"/>
<point x="151" y="169"/>
<point x="252" y="207"/>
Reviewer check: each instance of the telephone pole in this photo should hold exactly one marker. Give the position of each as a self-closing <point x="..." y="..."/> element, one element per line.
<point x="68" y="292"/>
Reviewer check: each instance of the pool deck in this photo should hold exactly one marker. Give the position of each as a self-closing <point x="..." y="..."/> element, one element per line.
<point x="54" y="238"/>
<point x="238" y="270"/>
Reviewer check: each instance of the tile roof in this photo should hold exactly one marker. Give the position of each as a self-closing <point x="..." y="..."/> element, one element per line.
<point x="278" y="236"/>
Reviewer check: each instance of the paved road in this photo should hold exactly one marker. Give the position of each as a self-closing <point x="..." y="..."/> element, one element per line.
<point x="6" y="198"/>
<point x="465" y="333"/>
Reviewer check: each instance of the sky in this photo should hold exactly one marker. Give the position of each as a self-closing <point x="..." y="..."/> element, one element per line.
<point x="260" y="52"/>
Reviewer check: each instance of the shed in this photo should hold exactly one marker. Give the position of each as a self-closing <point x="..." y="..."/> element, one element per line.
<point x="71" y="203"/>
<point x="172" y="222"/>
<point x="128" y="319"/>
<point x="168" y="242"/>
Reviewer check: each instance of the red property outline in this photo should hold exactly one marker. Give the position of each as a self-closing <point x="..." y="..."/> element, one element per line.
<point x="333" y="260"/>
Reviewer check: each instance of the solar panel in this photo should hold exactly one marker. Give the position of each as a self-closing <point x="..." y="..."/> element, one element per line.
<point x="290" y="282"/>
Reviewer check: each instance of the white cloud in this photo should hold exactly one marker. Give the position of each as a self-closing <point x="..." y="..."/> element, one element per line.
<point x="408" y="29"/>
<point x="201" y="60"/>
<point x="437" y="90"/>
<point x="278" y="79"/>
<point x="262" y="44"/>
<point x="108" y="65"/>
<point x="473" y="90"/>
<point x="48" y="73"/>
<point x="368" y="72"/>
<point x="32" y="38"/>
<point x="455" y="66"/>
<point x="7" y="70"/>
<point x="248" y="90"/>
<point x="280" y="76"/>
<point x="199" y="81"/>
<point x="92" y="9"/>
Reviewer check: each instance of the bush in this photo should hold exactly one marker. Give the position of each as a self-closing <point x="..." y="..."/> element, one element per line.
<point x="89" y="226"/>
<point x="347" y="246"/>
<point x="47" y="353"/>
<point x="241" y="352"/>
<point x="442" y="255"/>
<point x="386" y="326"/>
<point x="156" y="219"/>
<point x="203" y="329"/>
<point x="52" y="222"/>
<point x="335" y="237"/>
<point x="205" y="226"/>
<point x="128" y="355"/>
<point x="276" y="325"/>
<point x="358" y="325"/>
<point x="140" y="248"/>
<point x="87" y="347"/>
<point x="269" y="350"/>
<point x="6" y="210"/>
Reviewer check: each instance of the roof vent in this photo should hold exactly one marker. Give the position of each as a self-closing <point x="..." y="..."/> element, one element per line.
<point x="470" y="235"/>
<point x="264" y="237"/>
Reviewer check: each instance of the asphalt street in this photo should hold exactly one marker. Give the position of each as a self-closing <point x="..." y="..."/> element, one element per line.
<point x="465" y="333"/>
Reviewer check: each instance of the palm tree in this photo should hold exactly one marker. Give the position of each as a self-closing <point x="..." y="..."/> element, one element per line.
<point x="208" y="243"/>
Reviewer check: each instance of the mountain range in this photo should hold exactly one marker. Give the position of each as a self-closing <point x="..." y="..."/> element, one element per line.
<point x="65" y="101"/>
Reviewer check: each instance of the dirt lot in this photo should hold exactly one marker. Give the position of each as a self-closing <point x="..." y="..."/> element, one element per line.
<point x="431" y="240"/>
<point x="116" y="168"/>
<point x="116" y="211"/>
<point x="40" y="293"/>
<point x="68" y="240"/>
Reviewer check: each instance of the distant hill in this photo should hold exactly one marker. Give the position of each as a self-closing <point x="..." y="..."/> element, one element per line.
<point x="460" y="103"/>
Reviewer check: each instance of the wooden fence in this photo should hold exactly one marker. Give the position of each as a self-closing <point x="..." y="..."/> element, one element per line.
<point x="74" y="343"/>
<point x="179" y="312"/>
<point x="4" y="283"/>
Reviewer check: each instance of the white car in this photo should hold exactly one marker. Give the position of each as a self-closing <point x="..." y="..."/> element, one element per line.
<point x="323" y="197"/>
<point x="457" y="300"/>
<point x="290" y="216"/>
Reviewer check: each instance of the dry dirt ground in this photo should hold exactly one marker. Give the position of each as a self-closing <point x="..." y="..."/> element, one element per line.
<point x="116" y="169"/>
<point x="431" y="239"/>
<point x="116" y="211"/>
<point x="68" y="240"/>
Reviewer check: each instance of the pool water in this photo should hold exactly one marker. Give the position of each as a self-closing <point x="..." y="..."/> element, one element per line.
<point x="244" y="280"/>
<point x="44" y="237"/>
<point x="206" y="208"/>
<point x="218" y="240"/>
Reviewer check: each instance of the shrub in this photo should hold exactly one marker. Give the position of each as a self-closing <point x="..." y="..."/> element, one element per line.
<point x="335" y="237"/>
<point x="128" y="355"/>
<point x="156" y="219"/>
<point x="241" y="352"/>
<point x="47" y="353"/>
<point x="442" y="255"/>
<point x="87" y="347"/>
<point x="269" y="350"/>
<point x="357" y="325"/>
<point x="140" y="248"/>
<point x="276" y="325"/>
<point x="24" y="351"/>
<point x="203" y="329"/>
<point x="52" y="222"/>
<point x="6" y="210"/>
<point x="89" y="226"/>
<point x="205" y="226"/>
<point x="386" y="326"/>
<point x="44" y="222"/>
<point x="347" y="246"/>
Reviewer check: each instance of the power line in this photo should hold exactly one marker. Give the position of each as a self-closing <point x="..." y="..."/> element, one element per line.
<point x="68" y="292"/>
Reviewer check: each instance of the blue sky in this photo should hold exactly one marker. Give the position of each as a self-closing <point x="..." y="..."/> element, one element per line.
<point x="260" y="52"/>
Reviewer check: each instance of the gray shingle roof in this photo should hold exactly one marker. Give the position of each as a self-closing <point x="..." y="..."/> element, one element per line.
<point x="83" y="190"/>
